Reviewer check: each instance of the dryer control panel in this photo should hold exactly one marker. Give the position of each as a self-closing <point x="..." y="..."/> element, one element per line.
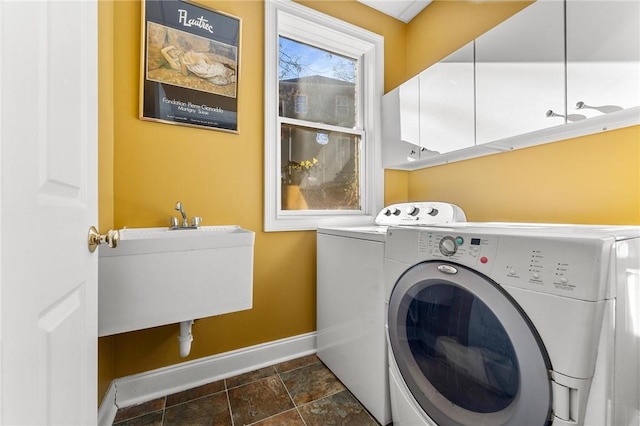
<point x="422" y="213"/>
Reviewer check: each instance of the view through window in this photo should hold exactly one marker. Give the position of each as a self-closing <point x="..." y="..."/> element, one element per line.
<point x="320" y="143"/>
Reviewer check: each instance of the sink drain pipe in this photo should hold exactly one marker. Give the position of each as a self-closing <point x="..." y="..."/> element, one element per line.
<point x="185" y="338"/>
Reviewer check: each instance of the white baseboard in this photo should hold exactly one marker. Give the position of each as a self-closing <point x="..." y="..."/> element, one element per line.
<point x="153" y="384"/>
<point x="108" y="408"/>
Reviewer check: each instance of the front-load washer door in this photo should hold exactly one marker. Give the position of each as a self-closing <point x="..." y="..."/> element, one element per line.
<point x="467" y="353"/>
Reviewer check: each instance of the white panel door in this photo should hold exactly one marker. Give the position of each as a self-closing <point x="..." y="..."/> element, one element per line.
<point x="48" y="200"/>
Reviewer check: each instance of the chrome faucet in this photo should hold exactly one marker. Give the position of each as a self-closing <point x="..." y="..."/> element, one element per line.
<point x="195" y="221"/>
<point x="179" y="208"/>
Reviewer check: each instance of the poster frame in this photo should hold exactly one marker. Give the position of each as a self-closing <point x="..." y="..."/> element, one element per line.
<point x="208" y="42"/>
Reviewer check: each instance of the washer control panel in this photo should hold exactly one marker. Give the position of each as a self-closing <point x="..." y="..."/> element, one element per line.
<point x="476" y="251"/>
<point x="422" y="213"/>
<point x="562" y="266"/>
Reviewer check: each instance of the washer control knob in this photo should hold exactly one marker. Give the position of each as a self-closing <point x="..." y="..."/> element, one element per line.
<point x="448" y="246"/>
<point x="396" y="211"/>
<point x="412" y="210"/>
<point x="387" y="212"/>
<point x="431" y="211"/>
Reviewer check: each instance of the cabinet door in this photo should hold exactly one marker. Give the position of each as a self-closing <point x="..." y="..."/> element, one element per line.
<point x="447" y="103"/>
<point x="520" y="73"/>
<point x="603" y="56"/>
<point x="409" y="93"/>
<point x="395" y="151"/>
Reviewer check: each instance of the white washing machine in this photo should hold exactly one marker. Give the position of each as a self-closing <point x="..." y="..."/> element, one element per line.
<point x="350" y="300"/>
<point x="514" y="324"/>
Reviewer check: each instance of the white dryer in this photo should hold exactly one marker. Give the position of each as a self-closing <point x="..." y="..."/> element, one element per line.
<point x="350" y="300"/>
<point x="514" y="324"/>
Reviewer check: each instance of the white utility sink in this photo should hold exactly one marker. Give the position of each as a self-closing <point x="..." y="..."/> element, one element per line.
<point x="158" y="276"/>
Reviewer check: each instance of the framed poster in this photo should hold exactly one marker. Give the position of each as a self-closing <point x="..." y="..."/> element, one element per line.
<point x="190" y="65"/>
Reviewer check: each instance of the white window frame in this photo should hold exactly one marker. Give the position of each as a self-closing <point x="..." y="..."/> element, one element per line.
<point x="289" y="19"/>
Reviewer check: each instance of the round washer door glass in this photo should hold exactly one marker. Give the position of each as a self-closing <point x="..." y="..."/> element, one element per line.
<point x="467" y="353"/>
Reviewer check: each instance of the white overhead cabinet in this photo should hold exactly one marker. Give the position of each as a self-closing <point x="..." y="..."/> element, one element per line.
<point x="446" y="103"/>
<point x="535" y="78"/>
<point x="409" y="105"/>
<point x="401" y="124"/>
<point x="520" y="73"/>
<point x="603" y="56"/>
<point x="431" y="113"/>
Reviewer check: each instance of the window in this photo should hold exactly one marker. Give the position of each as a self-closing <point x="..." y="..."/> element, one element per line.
<point x="342" y="106"/>
<point x="323" y="86"/>
<point x="301" y="104"/>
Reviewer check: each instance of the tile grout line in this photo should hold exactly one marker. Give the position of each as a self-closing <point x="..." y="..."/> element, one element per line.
<point x="291" y="398"/>
<point x="278" y="374"/>
<point x="164" y="409"/>
<point x="226" y="392"/>
<point x="253" y="381"/>
<point x="296" y="406"/>
<point x="346" y="389"/>
<point x="298" y="368"/>
<point x="335" y="393"/>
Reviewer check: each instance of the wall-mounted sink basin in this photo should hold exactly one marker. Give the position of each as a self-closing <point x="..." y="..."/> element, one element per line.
<point x="158" y="276"/>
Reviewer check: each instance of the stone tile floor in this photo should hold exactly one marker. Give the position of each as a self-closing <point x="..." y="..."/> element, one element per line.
<point x="300" y="392"/>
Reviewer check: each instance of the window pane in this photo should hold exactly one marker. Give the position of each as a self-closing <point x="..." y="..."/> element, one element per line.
<point x="320" y="169"/>
<point x="301" y="104"/>
<point x="325" y="80"/>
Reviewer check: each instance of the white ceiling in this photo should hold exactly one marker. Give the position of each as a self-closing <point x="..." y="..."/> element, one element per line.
<point x="403" y="10"/>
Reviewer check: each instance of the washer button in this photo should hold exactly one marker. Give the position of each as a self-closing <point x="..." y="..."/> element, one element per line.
<point x="483" y="259"/>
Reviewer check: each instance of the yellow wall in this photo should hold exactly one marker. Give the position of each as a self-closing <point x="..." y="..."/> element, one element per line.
<point x="216" y="175"/>
<point x="146" y="167"/>
<point x="593" y="179"/>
